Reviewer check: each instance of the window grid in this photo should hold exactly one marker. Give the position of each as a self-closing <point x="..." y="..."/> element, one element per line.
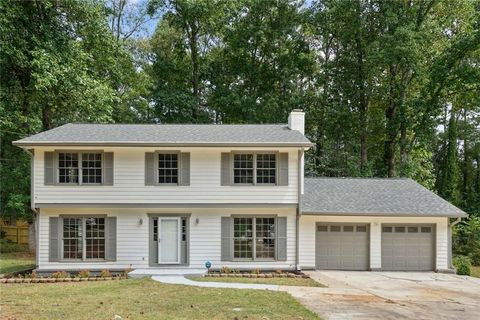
<point x="265" y="238"/>
<point x="168" y="168"/>
<point x="243" y="238"/>
<point x="68" y="167"/>
<point x="243" y="168"/>
<point x="254" y="238"/>
<point x="266" y="168"/>
<point x="72" y="238"/>
<point x="95" y="238"/>
<point x="75" y="230"/>
<point x="91" y="168"/>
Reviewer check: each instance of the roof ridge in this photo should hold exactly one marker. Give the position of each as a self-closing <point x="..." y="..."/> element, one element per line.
<point x="178" y="124"/>
<point x="360" y="178"/>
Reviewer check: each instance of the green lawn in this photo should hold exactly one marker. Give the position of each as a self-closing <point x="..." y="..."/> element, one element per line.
<point x="475" y="271"/>
<point x="16" y="261"/>
<point x="303" y="282"/>
<point x="143" y="299"/>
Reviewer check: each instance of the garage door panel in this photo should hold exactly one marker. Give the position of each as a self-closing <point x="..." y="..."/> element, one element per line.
<point x="342" y="247"/>
<point x="406" y="247"/>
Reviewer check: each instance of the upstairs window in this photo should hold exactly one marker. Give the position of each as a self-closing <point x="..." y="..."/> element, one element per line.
<point x="255" y="168"/>
<point x="68" y="167"/>
<point x="80" y="168"/>
<point x="168" y="168"/>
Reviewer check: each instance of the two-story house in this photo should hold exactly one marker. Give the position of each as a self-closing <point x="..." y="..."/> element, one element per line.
<point x="116" y="196"/>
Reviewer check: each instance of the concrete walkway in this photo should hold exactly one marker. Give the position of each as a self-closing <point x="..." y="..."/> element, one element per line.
<point x="188" y="282"/>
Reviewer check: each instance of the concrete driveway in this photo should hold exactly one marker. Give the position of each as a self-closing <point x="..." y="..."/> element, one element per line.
<point x="392" y="295"/>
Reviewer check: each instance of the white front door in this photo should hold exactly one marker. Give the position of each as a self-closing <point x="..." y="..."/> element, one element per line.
<point x="168" y="240"/>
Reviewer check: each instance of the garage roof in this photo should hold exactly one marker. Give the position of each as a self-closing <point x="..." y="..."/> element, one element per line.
<point x="373" y="196"/>
<point x="169" y="134"/>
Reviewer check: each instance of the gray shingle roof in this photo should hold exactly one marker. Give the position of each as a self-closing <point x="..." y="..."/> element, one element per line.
<point x="168" y="134"/>
<point x="372" y="196"/>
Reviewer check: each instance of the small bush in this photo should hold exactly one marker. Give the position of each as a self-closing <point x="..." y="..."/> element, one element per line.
<point x="33" y="275"/>
<point x="7" y="246"/>
<point x="256" y="271"/>
<point x="60" y="274"/>
<point x="84" y="273"/>
<point x="105" y="273"/>
<point x="225" y="269"/>
<point x="126" y="272"/>
<point x="463" y="265"/>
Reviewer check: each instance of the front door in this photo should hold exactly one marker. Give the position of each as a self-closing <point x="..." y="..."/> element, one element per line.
<point x="169" y="240"/>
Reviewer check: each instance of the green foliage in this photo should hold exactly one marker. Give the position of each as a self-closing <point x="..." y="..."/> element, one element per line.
<point x="84" y="273"/>
<point x="467" y="239"/>
<point x="462" y="264"/>
<point x="7" y="246"/>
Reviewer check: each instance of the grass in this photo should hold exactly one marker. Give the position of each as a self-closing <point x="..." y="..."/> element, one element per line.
<point x="16" y="261"/>
<point x="475" y="271"/>
<point x="144" y="299"/>
<point x="303" y="282"/>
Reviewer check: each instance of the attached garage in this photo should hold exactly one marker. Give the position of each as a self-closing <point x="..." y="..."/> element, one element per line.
<point x="408" y="247"/>
<point x="342" y="246"/>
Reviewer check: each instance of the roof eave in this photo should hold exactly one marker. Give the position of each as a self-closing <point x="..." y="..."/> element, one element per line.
<point x="20" y="143"/>
<point x="383" y="214"/>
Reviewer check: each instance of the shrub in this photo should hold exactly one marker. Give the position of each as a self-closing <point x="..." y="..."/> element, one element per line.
<point x="84" y="273"/>
<point x="105" y="273"/>
<point x="256" y="271"/>
<point x="7" y="246"/>
<point x="463" y="265"/>
<point x="225" y="269"/>
<point x="33" y="275"/>
<point x="60" y="274"/>
<point x="466" y="239"/>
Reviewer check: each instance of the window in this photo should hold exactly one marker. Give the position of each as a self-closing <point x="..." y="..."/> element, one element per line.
<point x="243" y="238"/>
<point x="361" y="229"/>
<point x="426" y="229"/>
<point x="91" y="168"/>
<point x="412" y="229"/>
<point x="80" y="168"/>
<point x="266" y="168"/>
<point x="168" y="168"/>
<point x="265" y="238"/>
<point x="92" y="229"/>
<point x="255" y="168"/>
<point x="243" y="168"/>
<point x="335" y="228"/>
<point x="387" y="229"/>
<point x="400" y="229"/>
<point x="322" y="228"/>
<point x="254" y="238"/>
<point x="68" y="167"/>
<point x="95" y="238"/>
<point x="72" y="238"/>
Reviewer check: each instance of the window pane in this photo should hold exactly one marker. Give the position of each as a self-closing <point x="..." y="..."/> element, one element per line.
<point x="361" y="229"/>
<point x="243" y="238"/>
<point x="426" y="229"/>
<point x="168" y="168"/>
<point x="67" y="167"/>
<point x="243" y="168"/>
<point x="72" y="238"/>
<point x="412" y="229"/>
<point x="95" y="238"/>
<point x="265" y="237"/>
<point x="266" y="168"/>
<point x="347" y="228"/>
<point x="91" y="168"/>
<point x="387" y="229"/>
<point x="335" y="228"/>
<point x="322" y="228"/>
<point x="400" y="229"/>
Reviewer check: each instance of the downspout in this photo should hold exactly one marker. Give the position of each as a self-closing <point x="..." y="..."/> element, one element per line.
<point x="299" y="198"/>
<point x="450" y="238"/>
<point x="35" y="211"/>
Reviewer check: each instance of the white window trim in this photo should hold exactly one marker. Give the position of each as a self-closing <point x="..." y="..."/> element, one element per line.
<point x="254" y="153"/>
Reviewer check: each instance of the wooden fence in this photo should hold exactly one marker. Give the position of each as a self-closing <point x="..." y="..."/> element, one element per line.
<point x="17" y="234"/>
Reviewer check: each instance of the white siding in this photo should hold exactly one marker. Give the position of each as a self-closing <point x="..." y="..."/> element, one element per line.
<point x="129" y="185"/>
<point x="307" y="237"/>
<point x="132" y="238"/>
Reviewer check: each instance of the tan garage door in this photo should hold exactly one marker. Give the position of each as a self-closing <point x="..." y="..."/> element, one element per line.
<point x="408" y="247"/>
<point x="342" y="247"/>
